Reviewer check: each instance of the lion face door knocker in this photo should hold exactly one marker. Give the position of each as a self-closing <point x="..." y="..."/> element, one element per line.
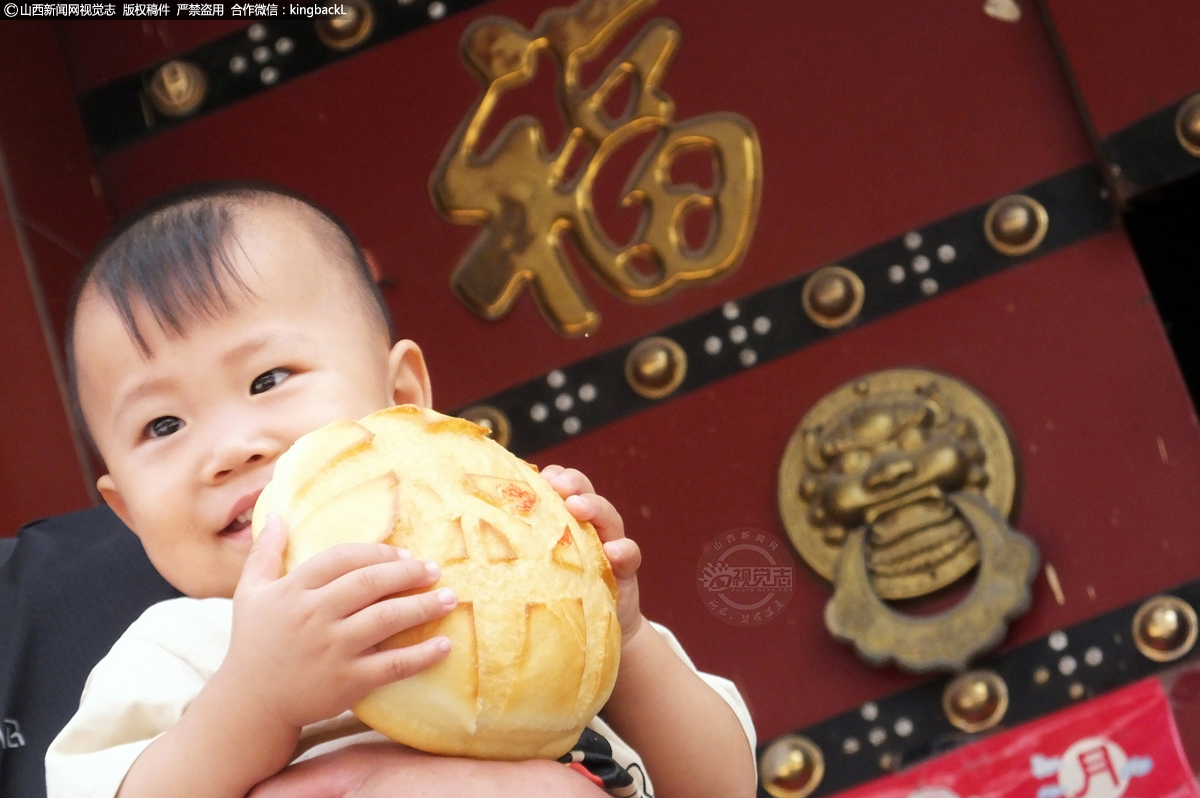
<point x="894" y="486"/>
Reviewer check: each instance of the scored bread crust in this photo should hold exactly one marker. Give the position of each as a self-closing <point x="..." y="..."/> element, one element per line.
<point x="535" y="641"/>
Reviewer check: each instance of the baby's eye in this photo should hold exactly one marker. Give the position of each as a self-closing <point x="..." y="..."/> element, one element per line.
<point x="163" y="426"/>
<point x="265" y="382"/>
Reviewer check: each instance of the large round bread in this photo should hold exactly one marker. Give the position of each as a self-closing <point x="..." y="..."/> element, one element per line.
<point x="535" y="638"/>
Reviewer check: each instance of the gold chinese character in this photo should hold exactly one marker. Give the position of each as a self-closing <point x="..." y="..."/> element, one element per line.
<point x="519" y="190"/>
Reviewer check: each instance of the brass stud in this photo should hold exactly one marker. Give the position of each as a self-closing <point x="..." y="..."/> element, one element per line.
<point x="1076" y="691"/>
<point x="177" y="88"/>
<point x="833" y="296"/>
<point x="347" y="30"/>
<point x="791" y="767"/>
<point x="1187" y="125"/>
<point x="491" y="419"/>
<point x="1164" y="628"/>
<point x="1041" y="675"/>
<point x="975" y="701"/>
<point x="889" y="761"/>
<point x="655" y="367"/>
<point x="1016" y="224"/>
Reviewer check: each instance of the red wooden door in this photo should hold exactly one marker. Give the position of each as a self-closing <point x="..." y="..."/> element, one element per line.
<point x="886" y="130"/>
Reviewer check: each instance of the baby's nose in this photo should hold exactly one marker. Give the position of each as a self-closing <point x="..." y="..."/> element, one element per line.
<point x="236" y="451"/>
<point x="254" y="458"/>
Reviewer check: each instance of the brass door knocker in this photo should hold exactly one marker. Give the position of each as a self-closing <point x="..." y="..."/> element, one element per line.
<point x="896" y="486"/>
<point x="1007" y="563"/>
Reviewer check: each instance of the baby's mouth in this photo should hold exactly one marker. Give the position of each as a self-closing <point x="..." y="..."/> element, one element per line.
<point x="238" y="525"/>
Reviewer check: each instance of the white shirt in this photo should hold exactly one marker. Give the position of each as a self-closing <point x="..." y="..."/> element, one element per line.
<point x="161" y="663"/>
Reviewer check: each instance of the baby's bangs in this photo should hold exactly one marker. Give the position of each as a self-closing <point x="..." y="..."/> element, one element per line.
<point x="177" y="262"/>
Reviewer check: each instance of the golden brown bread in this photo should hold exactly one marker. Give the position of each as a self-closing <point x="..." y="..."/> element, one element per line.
<point x="535" y="638"/>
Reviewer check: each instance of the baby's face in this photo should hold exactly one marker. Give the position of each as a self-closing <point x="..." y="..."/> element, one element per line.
<point x="191" y="433"/>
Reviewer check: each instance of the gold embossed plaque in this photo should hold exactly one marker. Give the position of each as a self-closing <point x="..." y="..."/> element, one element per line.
<point x="529" y="198"/>
<point x="894" y="486"/>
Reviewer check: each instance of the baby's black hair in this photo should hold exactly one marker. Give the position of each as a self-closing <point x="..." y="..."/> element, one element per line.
<point x="173" y="254"/>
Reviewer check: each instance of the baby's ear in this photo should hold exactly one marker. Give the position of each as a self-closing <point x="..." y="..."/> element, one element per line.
<point x="113" y="498"/>
<point x="408" y="376"/>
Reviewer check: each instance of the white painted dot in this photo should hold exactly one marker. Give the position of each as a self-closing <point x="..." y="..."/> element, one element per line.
<point x="921" y="264"/>
<point x="1057" y="641"/>
<point x="587" y="392"/>
<point x="730" y="310"/>
<point x="737" y="333"/>
<point x="904" y="727"/>
<point x="896" y="273"/>
<point x="437" y="10"/>
<point x="748" y="357"/>
<point x="1067" y="665"/>
<point x="850" y="745"/>
<point x="556" y="379"/>
<point x="869" y="711"/>
<point x="269" y="75"/>
<point x="761" y="325"/>
<point x="1093" y="656"/>
<point x="946" y="253"/>
<point x="913" y="240"/>
<point x="712" y="345"/>
<point x="571" y="425"/>
<point x="564" y="402"/>
<point x="238" y="64"/>
<point x="539" y="412"/>
<point x="876" y="736"/>
<point x="284" y="45"/>
<point x="261" y="54"/>
<point x="257" y="32"/>
<point x="929" y="286"/>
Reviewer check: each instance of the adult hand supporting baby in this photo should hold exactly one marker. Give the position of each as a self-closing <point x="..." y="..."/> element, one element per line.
<point x="379" y="770"/>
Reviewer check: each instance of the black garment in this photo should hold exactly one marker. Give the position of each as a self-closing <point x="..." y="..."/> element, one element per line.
<point x="592" y="757"/>
<point x="69" y="586"/>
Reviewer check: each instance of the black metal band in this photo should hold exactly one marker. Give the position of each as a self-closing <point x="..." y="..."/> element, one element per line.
<point x="119" y="113"/>
<point x="1099" y="654"/>
<point x="1143" y="156"/>
<point x="1147" y="154"/>
<point x="758" y="328"/>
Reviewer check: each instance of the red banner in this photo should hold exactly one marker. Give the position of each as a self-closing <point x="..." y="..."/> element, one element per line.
<point x="1121" y="744"/>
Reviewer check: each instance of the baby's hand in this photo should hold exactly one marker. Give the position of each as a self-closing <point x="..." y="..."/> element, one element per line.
<point x="623" y="554"/>
<point x="304" y="645"/>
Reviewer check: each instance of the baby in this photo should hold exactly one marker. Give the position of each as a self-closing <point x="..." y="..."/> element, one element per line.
<point x="209" y="334"/>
